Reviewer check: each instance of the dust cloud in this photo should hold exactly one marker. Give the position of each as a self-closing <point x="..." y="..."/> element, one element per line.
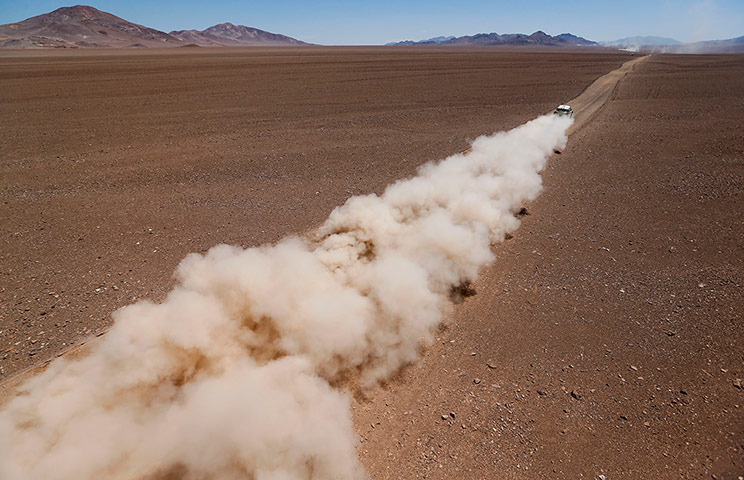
<point x="235" y="375"/>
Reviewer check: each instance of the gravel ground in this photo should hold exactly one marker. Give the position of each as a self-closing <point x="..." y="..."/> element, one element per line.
<point x="606" y="340"/>
<point x="116" y="164"/>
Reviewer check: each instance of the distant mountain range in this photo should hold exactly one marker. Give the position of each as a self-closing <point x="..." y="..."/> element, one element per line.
<point x="634" y="44"/>
<point x="428" y="41"/>
<point x="641" y="41"/>
<point x="82" y="26"/>
<point x="538" y="38"/>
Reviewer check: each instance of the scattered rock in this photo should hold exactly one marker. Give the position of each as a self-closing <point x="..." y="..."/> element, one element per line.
<point x="576" y="395"/>
<point x="458" y="293"/>
<point x="737" y="383"/>
<point x="476" y="381"/>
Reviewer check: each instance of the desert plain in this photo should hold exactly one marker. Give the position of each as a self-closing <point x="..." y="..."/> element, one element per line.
<point x="604" y="342"/>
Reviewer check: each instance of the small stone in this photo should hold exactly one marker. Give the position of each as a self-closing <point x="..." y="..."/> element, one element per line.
<point x="575" y="394"/>
<point x="491" y="365"/>
<point x="542" y="393"/>
<point x="737" y="383"/>
<point x="452" y="414"/>
<point x="634" y="368"/>
<point x="476" y="381"/>
<point x="445" y="417"/>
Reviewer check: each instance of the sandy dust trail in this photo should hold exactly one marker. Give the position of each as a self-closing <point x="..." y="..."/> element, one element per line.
<point x="585" y="106"/>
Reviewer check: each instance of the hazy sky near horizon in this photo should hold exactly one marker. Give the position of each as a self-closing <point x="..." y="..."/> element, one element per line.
<point x="338" y="22"/>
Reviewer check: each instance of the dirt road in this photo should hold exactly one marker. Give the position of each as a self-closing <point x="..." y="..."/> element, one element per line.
<point x="598" y="93"/>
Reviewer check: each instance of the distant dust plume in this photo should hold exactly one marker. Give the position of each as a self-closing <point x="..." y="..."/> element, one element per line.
<point x="231" y="376"/>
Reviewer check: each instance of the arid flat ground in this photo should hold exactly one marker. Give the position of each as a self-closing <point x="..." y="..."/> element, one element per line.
<point x="611" y="321"/>
<point x="117" y="164"/>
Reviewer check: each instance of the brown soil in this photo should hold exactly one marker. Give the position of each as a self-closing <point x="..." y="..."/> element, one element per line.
<point x="610" y="322"/>
<point x="607" y="338"/>
<point x="117" y="165"/>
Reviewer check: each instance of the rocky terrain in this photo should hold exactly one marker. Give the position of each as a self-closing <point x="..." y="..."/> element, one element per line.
<point x="603" y="343"/>
<point x="117" y="166"/>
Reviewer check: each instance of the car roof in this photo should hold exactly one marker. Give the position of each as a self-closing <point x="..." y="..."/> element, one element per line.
<point x="563" y="107"/>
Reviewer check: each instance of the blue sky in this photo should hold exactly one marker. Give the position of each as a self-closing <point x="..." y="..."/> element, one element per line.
<point x="337" y="22"/>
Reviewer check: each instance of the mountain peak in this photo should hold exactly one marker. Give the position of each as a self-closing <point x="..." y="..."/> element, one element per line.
<point x="226" y="25"/>
<point x="75" y="12"/>
<point x="75" y="9"/>
<point x="230" y="34"/>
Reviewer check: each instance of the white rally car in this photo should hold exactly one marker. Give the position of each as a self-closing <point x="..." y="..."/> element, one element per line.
<point x="563" y="110"/>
